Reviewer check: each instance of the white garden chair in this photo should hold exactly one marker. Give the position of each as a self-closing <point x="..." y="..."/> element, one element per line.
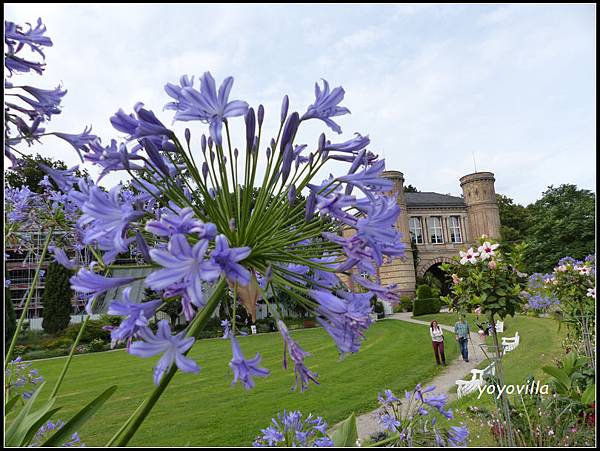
<point x="477" y="380"/>
<point x="499" y="326"/>
<point x="510" y="343"/>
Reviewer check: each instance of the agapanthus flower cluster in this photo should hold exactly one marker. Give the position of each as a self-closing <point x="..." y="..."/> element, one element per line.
<point x="203" y="219"/>
<point x="571" y="286"/>
<point x="48" y="429"/>
<point x="537" y="295"/>
<point x="28" y="108"/>
<point x="291" y="429"/>
<point x="416" y="420"/>
<point x="20" y="378"/>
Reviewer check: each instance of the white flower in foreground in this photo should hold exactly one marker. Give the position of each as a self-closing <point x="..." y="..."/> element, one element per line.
<point x="591" y="292"/>
<point x="470" y="256"/>
<point x="487" y="250"/>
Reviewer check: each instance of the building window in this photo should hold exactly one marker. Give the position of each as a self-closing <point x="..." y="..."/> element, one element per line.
<point x="434" y="226"/>
<point x="416" y="231"/>
<point x="454" y="226"/>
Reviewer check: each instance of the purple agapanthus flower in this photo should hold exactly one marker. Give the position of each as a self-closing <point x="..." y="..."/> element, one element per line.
<point x="106" y="218"/>
<point x="144" y="124"/>
<point x="15" y="35"/>
<point x="368" y="180"/>
<point x="45" y="104"/>
<point x="183" y="221"/>
<point x="64" y="179"/>
<point x="458" y="435"/>
<point x="206" y="105"/>
<point x="136" y="314"/>
<point x="80" y="141"/>
<point x="291" y="430"/>
<point x="227" y="332"/>
<point x="345" y="318"/>
<point x="227" y="259"/>
<point x="244" y="370"/>
<point x="183" y="263"/>
<point x="88" y="282"/>
<point x="389" y="397"/>
<point x="173" y="348"/>
<point x="387" y="292"/>
<point x="61" y="258"/>
<point x="389" y="422"/>
<point x="326" y="106"/>
<point x="114" y="157"/>
<point x="297" y="354"/>
<point x="352" y="146"/>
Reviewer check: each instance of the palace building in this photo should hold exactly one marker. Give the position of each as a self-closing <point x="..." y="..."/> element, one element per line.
<point x="435" y="227"/>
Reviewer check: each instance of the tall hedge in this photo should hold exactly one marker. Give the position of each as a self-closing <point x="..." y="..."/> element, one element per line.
<point x="57" y="299"/>
<point x="425" y="303"/>
<point x="10" y="318"/>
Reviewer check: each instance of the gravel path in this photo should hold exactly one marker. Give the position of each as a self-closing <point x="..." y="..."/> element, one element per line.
<point x="368" y="423"/>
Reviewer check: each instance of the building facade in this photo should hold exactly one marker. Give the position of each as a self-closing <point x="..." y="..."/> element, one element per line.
<point x="435" y="227"/>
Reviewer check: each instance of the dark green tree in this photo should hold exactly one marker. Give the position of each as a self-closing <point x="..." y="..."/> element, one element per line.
<point x="10" y="318"/>
<point x="514" y="220"/>
<point x="57" y="299"/>
<point x="562" y="223"/>
<point x="410" y="189"/>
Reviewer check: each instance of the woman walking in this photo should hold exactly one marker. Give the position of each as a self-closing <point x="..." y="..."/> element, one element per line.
<point x="437" y="338"/>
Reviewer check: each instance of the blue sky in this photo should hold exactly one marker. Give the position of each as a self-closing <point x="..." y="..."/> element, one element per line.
<point x="435" y="87"/>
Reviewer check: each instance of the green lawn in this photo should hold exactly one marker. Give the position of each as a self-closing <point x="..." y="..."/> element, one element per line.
<point x="204" y="410"/>
<point x="540" y="344"/>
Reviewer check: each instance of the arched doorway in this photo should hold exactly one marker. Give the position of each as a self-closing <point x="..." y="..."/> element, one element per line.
<point x="436" y="278"/>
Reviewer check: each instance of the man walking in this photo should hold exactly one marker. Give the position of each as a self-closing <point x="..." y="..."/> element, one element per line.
<point x="461" y="329"/>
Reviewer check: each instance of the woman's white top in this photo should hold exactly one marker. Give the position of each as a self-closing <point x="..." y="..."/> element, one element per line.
<point x="437" y="334"/>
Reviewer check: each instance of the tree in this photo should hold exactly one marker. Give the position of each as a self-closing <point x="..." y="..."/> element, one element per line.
<point x="10" y="318"/>
<point x="562" y="224"/>
<point x="28" y="173"/>
<point x="57" y="299"/>
<point x="410" y="189"/>
<point x="514" y="220"/>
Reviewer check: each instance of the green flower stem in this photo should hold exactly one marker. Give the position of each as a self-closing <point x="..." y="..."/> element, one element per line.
<point x="72" y="352"/>
<point x="197" y="324"/>
<point x="28" y="301"/>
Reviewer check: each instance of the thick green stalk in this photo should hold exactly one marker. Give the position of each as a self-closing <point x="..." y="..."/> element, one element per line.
<point x="75" y="343"/>
<point x="28" y="301"/>
<point x="196" y="326"/>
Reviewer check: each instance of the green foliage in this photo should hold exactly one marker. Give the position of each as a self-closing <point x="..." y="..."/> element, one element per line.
<point x="57" y="299"/>
<point x="424" y="292"/>
<point x="562" y="223"/>
<point x="497" y="290"/>
<point x="406" y="303"/>
<point x="345" y="434"/>
<point x="410" y="189"/>
<point x="10" y="319"/>
<point x="92" y="331"/>
<point x="28" y="173"/>
<point x="514" y="220"/>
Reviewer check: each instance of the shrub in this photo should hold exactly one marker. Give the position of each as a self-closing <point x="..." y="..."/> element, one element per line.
<point x="97" y="345"/>
<point x="57" y="299"/>
<point x="92" y="331"/>
<point x="10" y="319"/>
<point x="45" y="354"/>
<point x="424" y="292"/>
<point x="406" y="303"/>
<point x="54" y="343"/>
<point x="426" y="303"/>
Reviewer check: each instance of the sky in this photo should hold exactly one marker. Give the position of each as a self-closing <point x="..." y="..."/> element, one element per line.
<point x="442" y="90"/>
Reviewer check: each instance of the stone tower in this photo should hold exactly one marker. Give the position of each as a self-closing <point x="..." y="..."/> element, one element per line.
<point x="401" y="271"/>
<point x="482" y="208"/>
